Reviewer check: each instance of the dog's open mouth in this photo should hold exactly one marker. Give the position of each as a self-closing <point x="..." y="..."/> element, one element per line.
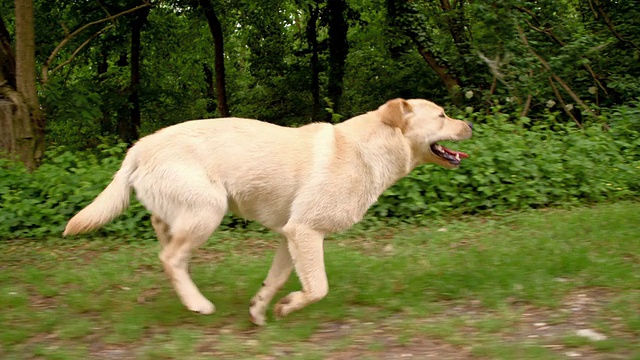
<point x="451" y="156"/>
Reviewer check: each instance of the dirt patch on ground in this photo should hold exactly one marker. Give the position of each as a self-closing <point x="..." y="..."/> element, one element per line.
<point x="382" y="341"/>
<point x="580" y="310"/>
<point x="251" y="248"/>
<point x="385" y="339"/>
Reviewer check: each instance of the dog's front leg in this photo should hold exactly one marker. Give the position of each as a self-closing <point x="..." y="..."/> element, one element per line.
<point x="278" y="274"/>
<point x="306" y="249"/>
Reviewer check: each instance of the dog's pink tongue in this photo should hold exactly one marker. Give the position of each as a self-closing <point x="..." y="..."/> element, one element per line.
<point x="456" y="153"/>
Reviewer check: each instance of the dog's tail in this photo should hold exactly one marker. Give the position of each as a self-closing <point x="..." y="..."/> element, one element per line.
<point x="112" y="201"/>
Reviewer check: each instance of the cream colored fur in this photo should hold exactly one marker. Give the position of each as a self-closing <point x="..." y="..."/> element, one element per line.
<point x="303" y="183"/>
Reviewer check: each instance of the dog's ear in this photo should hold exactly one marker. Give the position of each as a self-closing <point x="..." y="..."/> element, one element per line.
<point x="395" y="112"/>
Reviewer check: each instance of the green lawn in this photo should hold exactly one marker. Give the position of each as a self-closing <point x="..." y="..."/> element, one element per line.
<point x="511" y="287"/>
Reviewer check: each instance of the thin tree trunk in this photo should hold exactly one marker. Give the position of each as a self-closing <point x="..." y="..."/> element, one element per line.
<point x="28" y="128"/>
<point x="562" y="103"/>
<point x="7" y="60"/>
<point x="211" y="88"/>
<point x="13" y="109"/>
<point x="218" y="41"/>
<point x="7" y="87"/>
<point x="312" y="40"/>
<point x="338" y="50"/>
<point x="129" y="130"/>
<point x="451" y="83"/>
<point x="406" y="18"/>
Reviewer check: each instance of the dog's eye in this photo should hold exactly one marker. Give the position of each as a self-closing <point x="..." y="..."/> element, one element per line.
<point x="442" y="115"/>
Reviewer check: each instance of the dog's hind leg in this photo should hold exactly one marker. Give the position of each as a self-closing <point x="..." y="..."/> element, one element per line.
<point x="188" y="232"/>
<point x="162" y="230"/>
<point x="278" y="274"/>
<point x="306" y="249"/>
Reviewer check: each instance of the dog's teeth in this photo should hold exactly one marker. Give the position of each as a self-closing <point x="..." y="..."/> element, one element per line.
<point x="457" y="156"/>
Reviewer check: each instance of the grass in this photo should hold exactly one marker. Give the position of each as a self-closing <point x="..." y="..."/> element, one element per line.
<point x="513" y="287"/>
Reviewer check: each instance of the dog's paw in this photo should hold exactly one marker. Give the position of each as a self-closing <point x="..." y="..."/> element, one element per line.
<point x="257" y="311"/>
<point x="282" y="307"/>
<point x="257" y="319"/>
<point x="204" y="307"/>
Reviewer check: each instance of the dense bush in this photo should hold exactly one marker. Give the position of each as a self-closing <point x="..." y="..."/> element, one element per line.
<point x="513" y="165"/>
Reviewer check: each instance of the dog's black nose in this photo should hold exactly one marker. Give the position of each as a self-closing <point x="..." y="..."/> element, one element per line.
<point x="470" y="124"/>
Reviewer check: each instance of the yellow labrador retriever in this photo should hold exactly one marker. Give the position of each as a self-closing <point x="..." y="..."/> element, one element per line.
<point x="303" y="183"/>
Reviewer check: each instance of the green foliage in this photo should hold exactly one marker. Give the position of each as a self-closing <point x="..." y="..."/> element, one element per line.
<point x="513" y="166"/>
<point x="38" y="204"/>
<point x="76" y="108"/>
<point x="268" y="59"/>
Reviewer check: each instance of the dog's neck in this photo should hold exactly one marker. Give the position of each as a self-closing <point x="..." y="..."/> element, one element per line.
<point x="383" y="150"/>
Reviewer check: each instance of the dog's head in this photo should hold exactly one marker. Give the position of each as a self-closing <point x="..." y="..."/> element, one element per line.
<point x="424" y="124"/>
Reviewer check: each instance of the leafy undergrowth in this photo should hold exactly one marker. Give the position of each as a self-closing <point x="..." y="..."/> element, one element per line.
<point x="514" y="287"/>
<point x="513" y="165"/>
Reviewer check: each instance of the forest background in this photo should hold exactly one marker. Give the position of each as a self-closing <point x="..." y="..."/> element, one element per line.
<point x="553" y="87"/>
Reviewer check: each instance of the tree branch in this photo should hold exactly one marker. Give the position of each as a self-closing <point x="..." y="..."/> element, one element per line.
<point x="546" y="65"/>
<point x="527" y="103"/>
<point x="561" y="100"/>
<point x="68" y="37"/>
<point x="557" y="40"/>
<point x="609" y="23"/>
<point x="527" y="106"/>
<point x="527" y="11"/>
<point x="77" y="50"/>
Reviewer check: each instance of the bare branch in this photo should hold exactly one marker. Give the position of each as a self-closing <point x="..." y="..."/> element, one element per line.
<point x="494" y="67"/>
<point x="561" y="100"/>
<point x="77" y="50"/>
<point x="527" y="103"/>
<point x="572" y="94"/>
<point x="527" y="106"/>
<point x="64" y="28"/>
<point x="527" y="11"/>
<point x="67" y="38"/>
<point x="547" y="32"/>
<point x="595" y="78"/>
<point x="494" y="83"/>
<point x="104" y="8"/>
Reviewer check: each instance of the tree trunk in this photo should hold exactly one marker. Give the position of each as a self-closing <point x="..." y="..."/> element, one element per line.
<point x="22" y="134"/>
<point x="211" y="88"/>
<point x="338" y="49"/>
<point x="7" y="87"/>
<point x="7" y="60"/>
<point x="129" y="131"/>
<point x="451" y="83"/>
<point x="218" y="41"/>
<point x="407" y="18"/>
<point x="312" y="40"/>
